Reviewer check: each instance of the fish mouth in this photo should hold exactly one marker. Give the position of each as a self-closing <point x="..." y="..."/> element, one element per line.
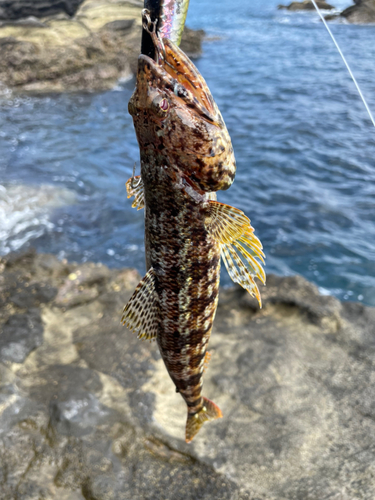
<point x="178" y="74"/>
<point x="179" y="67"/>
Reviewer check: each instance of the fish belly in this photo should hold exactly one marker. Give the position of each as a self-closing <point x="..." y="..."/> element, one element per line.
<point x="186" y="262"/>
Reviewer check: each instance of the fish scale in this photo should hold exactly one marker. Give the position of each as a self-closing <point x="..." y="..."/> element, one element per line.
<point x="181" y="267"/>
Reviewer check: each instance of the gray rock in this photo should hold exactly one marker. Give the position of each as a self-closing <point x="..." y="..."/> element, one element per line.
<point x="120" y="25"/>
<point x="30" y="22"/>
<point x="21" y="334"/>
<point x="91" y="413"/>
<point x="93" y="50"/>
<point x="19" y="9"/>
<point x="306" y="5"/>
<point x="363" y="12"/>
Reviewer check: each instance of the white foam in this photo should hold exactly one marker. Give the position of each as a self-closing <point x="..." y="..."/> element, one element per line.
<point x="25" y="212"/>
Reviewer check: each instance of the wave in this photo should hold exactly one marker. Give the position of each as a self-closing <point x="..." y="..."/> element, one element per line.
<point x="25" y="212"/>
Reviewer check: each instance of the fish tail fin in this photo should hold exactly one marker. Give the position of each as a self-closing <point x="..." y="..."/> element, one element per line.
<point x="209" y="411"/>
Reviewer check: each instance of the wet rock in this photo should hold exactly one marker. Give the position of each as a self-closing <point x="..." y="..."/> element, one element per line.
<point x="93" y="50"/>
<point x="20" y="335"/>
<point x="363" y="12"/>
<point x="19" y="9"/>
<point x="91" y="413"/>
<point x="30" y="22"/>
<point x="120" y="25"/>
<point x="191" y="42"/>
<point x="306" y="5"/>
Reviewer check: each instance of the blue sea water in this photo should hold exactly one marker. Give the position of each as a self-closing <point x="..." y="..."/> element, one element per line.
<point x="304" y="145"/>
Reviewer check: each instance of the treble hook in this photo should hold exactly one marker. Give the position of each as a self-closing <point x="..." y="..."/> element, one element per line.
<point x="150" y="27"/>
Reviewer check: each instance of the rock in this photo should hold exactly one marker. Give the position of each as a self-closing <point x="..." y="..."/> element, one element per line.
<point x="363" y="12"/>
<point x="306" y="5"/>
<point x="19" y="9"/>
<point x="191" y="42"/>
<point x="30" y="22"/>
<point x="87" y="411"/>
<point x="92" y="50"/>
<point x="20" y="335"/>
<point x="121" y="25"/>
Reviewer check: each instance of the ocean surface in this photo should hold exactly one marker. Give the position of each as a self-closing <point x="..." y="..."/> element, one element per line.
<point x="304" y="145"/>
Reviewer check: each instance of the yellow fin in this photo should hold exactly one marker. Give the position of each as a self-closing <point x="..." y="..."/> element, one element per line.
<point x="134" y="187"/>
<point x="194" y="422"/>
<point x="140" y="314"/>
<point x="233" y="231"/>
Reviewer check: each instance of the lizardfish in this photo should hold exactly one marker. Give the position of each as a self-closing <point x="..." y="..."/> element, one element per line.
<point x="186" y="156"/>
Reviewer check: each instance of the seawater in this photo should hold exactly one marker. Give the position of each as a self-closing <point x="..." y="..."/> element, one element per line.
<point x="304" y="145"/>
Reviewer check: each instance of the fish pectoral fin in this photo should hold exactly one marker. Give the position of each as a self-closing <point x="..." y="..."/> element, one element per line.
<point x="134" y="187"/>
<point x="140" y="314"/>
<point x="239" y="246"/>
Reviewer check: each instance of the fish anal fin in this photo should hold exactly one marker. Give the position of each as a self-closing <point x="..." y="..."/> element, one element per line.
<point x="207" y="358"/>
<point x="140" y="314"/>
<point x="239" y="246"/>
<point x="208" y="412"/>
<point x="134" y="187"/>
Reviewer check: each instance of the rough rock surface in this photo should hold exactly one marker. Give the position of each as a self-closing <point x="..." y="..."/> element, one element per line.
<point x="17" y="9"/>
<point x="306" y="5"/>
<point x="87" y="411"/>
<point x="363" y="12"/>
<point x="91" y="51"/>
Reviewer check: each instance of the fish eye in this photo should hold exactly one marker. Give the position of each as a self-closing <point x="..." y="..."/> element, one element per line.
<point x="164" y="105"/>
<point x="160" y="106"/>
<point x="180" y="91"/>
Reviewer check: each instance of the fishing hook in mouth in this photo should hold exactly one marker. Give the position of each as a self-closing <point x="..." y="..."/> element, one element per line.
<point x="150" y="27"/>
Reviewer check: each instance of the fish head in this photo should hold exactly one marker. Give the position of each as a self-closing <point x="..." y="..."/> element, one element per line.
<point x="177" y="119"/>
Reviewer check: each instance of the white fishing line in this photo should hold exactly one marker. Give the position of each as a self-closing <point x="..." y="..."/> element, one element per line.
<point x="346" y="63"/>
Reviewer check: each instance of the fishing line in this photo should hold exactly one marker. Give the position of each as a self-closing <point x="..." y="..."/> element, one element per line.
<point x="345" y="61"/>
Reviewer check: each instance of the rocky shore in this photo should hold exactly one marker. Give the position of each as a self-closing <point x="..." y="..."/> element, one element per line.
<point x="363" y="12"/>
<point x="87" y="411"/>
<point x="73" y="45"/>
<point x="306" y="5"/>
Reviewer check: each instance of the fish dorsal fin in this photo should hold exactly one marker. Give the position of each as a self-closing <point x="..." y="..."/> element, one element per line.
<point x="239" y="246"/>
<point x="140" y="314"/>
<point x="134" y="187"/>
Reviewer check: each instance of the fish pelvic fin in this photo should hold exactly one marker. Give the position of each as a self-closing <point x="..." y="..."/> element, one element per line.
<point x="208" y="412"/>
<point x="134" y="187"/>
<point x="240" y="248"/>
<point x="140" y="314"/>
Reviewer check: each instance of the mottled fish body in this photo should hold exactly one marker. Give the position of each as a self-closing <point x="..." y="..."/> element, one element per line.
<point x="186" y="156"/>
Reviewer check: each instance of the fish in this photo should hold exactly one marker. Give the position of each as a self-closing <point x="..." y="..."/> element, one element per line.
<point x="186" y="156"/>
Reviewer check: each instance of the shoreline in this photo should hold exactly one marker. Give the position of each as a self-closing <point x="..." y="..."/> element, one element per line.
<point x="91" y="51"/>
<point x="291" y="380"/>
